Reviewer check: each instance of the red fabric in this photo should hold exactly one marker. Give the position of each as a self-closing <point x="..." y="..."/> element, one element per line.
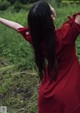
<point x="62" y="95"/>
<point x="25" y="32"/>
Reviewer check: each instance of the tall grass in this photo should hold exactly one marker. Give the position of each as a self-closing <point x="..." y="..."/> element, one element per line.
<point x="12" y="45"/>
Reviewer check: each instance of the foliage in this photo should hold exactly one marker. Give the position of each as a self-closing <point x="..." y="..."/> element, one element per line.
<point x="58" y="2"/>
<point x="4" y="5"/>
<point x="11" y="1"/>
<point x="17" y="6"/>
<point x="22" y="1"/>
<point x="27" y="1"/>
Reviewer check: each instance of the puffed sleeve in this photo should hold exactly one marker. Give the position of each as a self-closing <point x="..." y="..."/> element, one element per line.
<point x="24" y="31"/>
<point x="70" y="29"/>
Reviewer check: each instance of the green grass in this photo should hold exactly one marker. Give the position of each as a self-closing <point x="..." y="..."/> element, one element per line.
<point x="19" y="81"/>
<point x="17" y="91"/>
<point x="12" y="45"/>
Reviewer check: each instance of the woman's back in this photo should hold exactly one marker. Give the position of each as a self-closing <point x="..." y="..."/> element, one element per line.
<point x="63" y="95"/>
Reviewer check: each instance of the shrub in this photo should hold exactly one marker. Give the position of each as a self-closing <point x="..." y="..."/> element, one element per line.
<point x="22" y="1"/>
<point x="17" y="7"/>
<point x="4" y="5"/>
<point x="58" y="2"/>
<point x="26" y="7"/>
<point x="11" y="1"/>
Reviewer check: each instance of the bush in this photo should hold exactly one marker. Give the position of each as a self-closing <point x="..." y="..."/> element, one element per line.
<point x="12" y="1"/>
<point x="26" y="7"/>
<point x="17" y="7"/>
<point x="22" y="1"/>
<point x="52" y="2"/>
<point x="58" y="2"/>
<point x="32" y="1"/>
<point x="55" y="2"/>
<point x="4" y="5"/>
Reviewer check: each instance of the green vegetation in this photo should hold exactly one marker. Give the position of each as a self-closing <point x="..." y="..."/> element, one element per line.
<point x="60" y="3"/>
<point x="19" y="81"/>
<point x="15" y="5"/>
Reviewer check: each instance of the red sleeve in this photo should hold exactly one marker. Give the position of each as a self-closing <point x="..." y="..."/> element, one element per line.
<point x="24" y="31"/>
<point x="70" y="29"/>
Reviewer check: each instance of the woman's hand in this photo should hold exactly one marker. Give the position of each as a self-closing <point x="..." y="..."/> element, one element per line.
<point x="77" y="20"/>
<point x="10" y="24"/>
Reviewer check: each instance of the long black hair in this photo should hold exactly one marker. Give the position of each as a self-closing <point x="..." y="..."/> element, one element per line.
<point x="42" y="31"/>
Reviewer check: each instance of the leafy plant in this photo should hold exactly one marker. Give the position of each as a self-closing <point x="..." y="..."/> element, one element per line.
<point x="4" y="5"/>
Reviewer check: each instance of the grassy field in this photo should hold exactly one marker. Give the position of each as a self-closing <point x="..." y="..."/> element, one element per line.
<point x="19" y="80"/>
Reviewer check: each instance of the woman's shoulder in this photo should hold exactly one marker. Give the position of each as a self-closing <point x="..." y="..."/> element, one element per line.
<point x="73" y="19"/>
<point x="69" y="30"/>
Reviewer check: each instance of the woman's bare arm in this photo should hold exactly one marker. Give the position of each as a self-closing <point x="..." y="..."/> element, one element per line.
<point x="10" y="24"/>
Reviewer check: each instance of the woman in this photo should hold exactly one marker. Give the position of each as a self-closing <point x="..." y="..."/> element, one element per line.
<point x="55" y="57"/>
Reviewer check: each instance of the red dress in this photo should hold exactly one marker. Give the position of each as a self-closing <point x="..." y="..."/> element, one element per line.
<point x="62" y="95"/>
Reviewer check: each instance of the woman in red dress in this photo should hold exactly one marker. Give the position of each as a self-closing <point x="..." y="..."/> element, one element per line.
<point x="55" y="57"/>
